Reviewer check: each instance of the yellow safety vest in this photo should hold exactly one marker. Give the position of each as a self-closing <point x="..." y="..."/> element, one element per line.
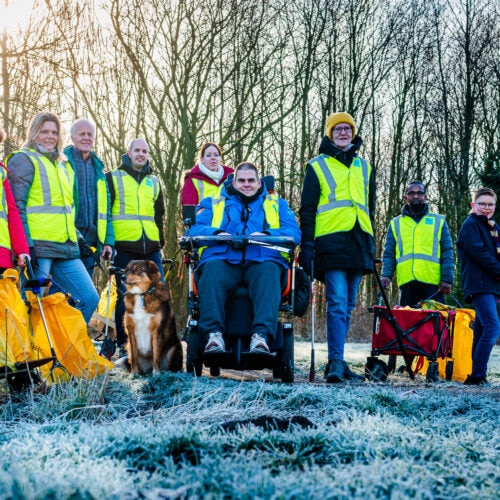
<point x="102" y="209"/>
<point x="270" y="206"/>
<point x="204" y="189"/>
<point x="418" y="249"/>
<point x="133" y="208"/>
<point x="4" y="213"/>
<point x="50" y="207"/>
<point x="344" y="197"/>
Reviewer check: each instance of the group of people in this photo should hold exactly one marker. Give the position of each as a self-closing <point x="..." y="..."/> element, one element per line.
<point x="63" y="212"/>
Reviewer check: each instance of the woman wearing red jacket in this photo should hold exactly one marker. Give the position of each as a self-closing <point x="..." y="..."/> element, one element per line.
<point x="13" y="244"/>
<point x="203" y="180"/>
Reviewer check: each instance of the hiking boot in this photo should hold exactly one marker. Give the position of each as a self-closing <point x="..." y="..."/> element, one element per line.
<point x="470" y="380"/>
<point x="258" y="344"/>
<point x="335" y="371"/>
<point x="215" y="343"/>
<point x="350" y="375"/>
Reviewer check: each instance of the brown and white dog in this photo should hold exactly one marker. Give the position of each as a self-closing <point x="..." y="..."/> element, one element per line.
<point x="149" y="321"/>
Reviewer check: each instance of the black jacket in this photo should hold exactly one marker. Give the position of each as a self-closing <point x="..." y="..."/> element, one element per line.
<point x="354" y="249"/>
<point x="144" y="245"/>
<point x="477" y="255"/>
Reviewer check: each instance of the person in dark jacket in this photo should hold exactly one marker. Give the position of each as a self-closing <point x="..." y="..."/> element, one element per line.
<point x="92" y="201"/>
<point x="478" y="246"/>
<point x="137" y="212"/>
<point x="336" y="219"/>
<point x="244" y="207"/>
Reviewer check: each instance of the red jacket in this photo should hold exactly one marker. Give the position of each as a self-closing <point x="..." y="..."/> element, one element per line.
<point x="16" y="230"/>
<point x="189" y="194"/>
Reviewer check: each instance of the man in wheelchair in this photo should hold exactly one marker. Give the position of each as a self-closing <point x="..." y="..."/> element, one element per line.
<point x="243" y="206"/>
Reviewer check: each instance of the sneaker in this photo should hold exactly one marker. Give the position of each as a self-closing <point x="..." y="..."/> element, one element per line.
<point x="215" y="343"/>
<point x="350" y="375"/>
<point x="259" y="344"/>
<point x="335" y="371"/>
<point x="470" y="380"/>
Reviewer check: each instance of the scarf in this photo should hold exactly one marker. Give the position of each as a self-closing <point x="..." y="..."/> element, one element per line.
<point x="494" y="235"/>
<point x="215" y="176"/>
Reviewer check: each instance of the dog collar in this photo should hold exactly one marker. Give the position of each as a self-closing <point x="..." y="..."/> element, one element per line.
<point x="151" y="290"/>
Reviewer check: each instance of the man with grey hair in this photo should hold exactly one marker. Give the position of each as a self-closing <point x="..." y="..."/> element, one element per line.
<point x="92" y="201"/>
<point x="137" y="213"/>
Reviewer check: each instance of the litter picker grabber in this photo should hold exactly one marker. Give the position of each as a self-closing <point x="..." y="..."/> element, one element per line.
<point x="392" y="320"/>
<point x="35" y="285"/>
<point x="312" y="372"/>
<point x="108" y="346"/>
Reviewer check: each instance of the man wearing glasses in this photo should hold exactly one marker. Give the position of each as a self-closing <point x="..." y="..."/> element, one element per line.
<point x="337" y="209"/>
<point x="419" y="248"/>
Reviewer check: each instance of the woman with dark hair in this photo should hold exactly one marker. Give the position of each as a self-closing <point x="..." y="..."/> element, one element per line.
<point x="13" y="245"/>
<point x="43" y="185"/>
<point x="479" y="256"/>
<point x="203" y="180"/>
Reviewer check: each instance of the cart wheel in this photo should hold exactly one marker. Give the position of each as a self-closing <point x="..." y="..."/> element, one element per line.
<point x="432" y="372"/>
<point x="215" y="371"/>
<point x="193" y="358"/>
<point x="287" y="366"/>
<point x="376" y="370"/>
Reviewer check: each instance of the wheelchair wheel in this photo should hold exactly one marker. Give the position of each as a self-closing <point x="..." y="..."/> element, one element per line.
<point x="287" y="365"/>
<point x="193" y="358"/>
<point x="376" y="370"/>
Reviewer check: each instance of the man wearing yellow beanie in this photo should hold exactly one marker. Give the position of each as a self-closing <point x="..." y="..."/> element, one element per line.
<point x="336" y="219"/>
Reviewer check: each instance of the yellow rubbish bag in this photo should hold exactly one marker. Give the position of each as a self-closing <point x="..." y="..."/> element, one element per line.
<point x="102" y="307"/>
<point x="72" y="345"/>
<point x="459" y="365"/>
<point x="14" y="325"/>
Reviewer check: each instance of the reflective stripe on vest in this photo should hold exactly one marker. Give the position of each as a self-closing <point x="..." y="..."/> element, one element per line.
<point x="50" y="206"/>
<point x="102" y="210"/>
<point x="4" y="222"/>
<point x="418" y="249"/>
<point x="270" y="206"/>
<point x="133" y="208"/>
<point x="344" y="195"/>
<point x="204" y="189"/>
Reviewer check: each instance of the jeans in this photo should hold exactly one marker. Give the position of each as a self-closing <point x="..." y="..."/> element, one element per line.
<point x="341" y="288"/>
<point x="71" y="276"/>
<point x="216" y="280"/>
<point x="486" y="332"/>
<point x="120" y="261"/>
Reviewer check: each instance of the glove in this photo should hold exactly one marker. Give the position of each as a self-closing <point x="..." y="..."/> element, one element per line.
<point x="307" y="255"/>
<point x="85" y="250"/>
<point x="34" y="260"/>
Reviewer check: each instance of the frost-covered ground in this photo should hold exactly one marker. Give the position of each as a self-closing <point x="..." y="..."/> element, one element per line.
<point x="174" y="436"/>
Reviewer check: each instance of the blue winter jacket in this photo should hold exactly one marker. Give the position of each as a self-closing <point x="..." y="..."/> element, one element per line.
<point x="240" y="219"/>
<point x="479" y="265"/>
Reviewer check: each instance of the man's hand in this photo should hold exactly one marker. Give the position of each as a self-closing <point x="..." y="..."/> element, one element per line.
<point x="444" y="287"/>
<point x="386" y="282"/>
<point x="107" y="252"/>
<point x="307" y="255"/>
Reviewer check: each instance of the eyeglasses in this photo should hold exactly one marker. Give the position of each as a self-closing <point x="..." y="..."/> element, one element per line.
<point x="485" y="205"/>
<point x="415" y="193"/>
<point x="339" y="130"/>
